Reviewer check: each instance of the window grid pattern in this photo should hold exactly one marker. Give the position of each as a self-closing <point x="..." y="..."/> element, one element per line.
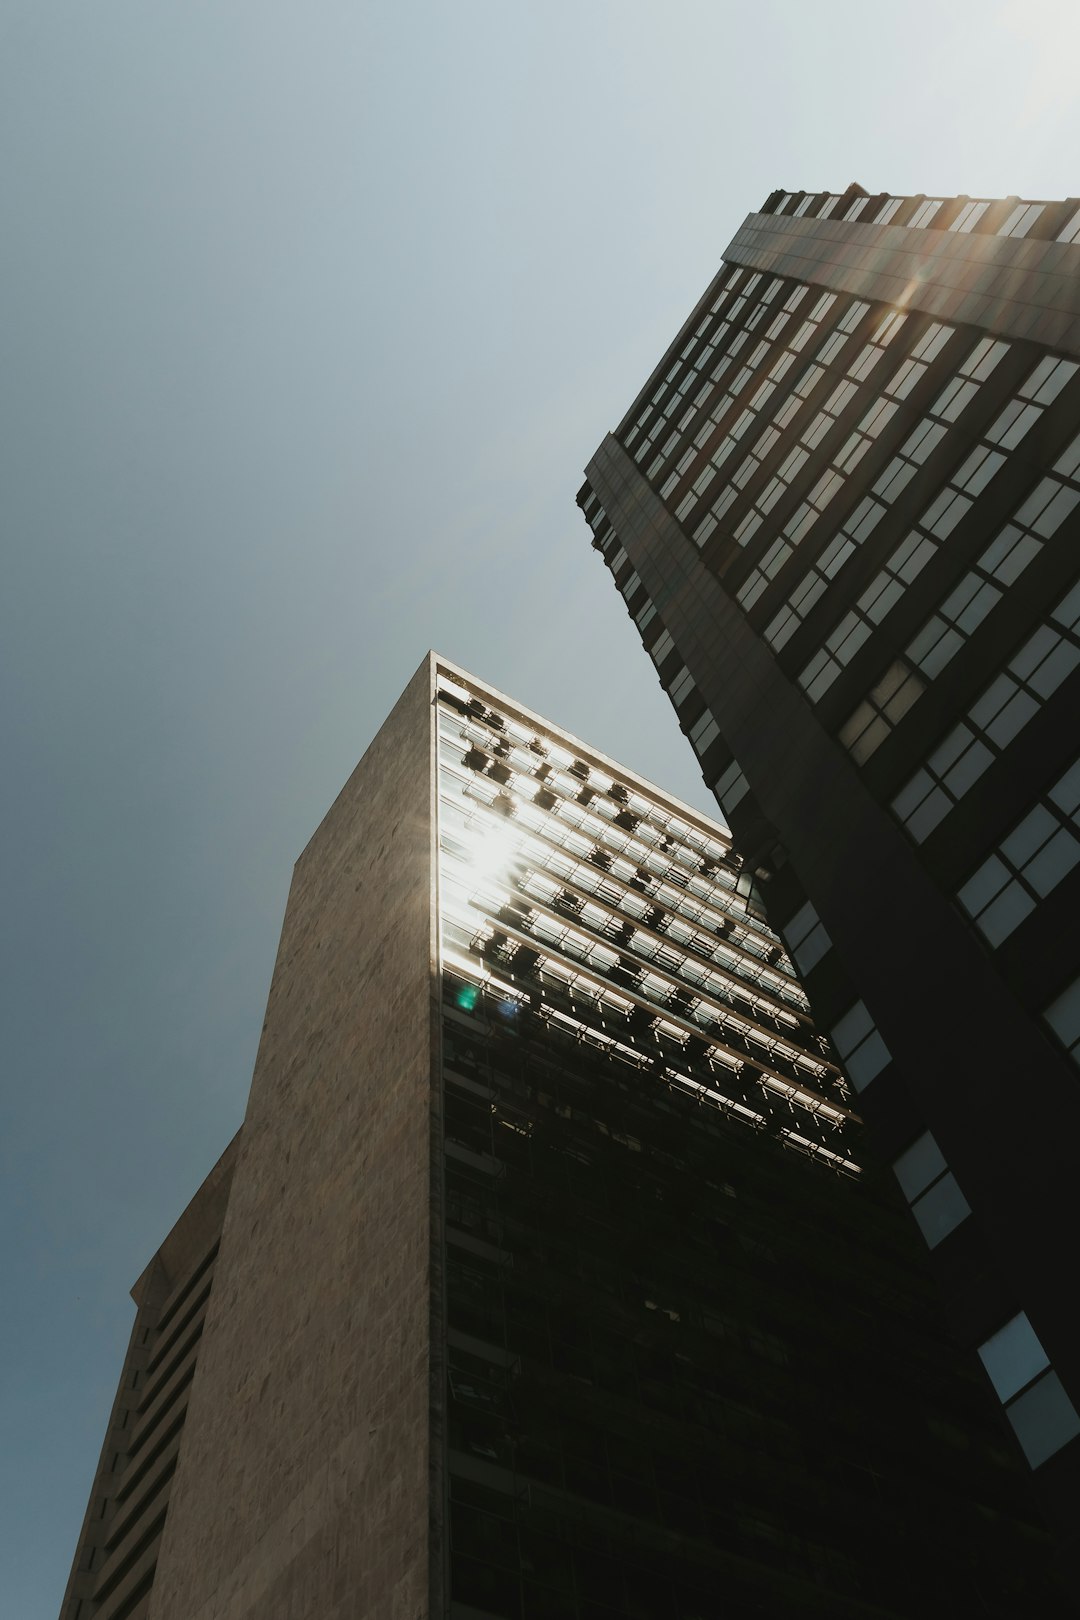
<point x="874" y="422"/>
<point x="694" y="498"/>
<point x="997" y="716"/>
<point x="690" y="382"/>
<point x="1029" y="863"/>
<point x="945" y="511"/>
<point x="957" y="394"/>
<point x="961" y="613"/>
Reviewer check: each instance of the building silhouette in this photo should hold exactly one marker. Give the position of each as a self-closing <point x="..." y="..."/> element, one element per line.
<point x="545" y="1276"/>
<point x="842" y="513"/>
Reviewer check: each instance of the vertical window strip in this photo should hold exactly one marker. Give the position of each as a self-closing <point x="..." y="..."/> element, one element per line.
<point x="978" y="365"/>
<point x="1040" y="514"/>
<point x="958" y="617"/>
<point x="782" y="358"/>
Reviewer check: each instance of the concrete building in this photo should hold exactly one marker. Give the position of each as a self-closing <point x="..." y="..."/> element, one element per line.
<point x="544" y="1277"/>
<point x="843" y="514"/>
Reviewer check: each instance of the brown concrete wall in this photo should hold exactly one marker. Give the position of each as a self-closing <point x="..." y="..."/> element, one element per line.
<point x="302" y="1487"/>
<point x="198" y="1227"/>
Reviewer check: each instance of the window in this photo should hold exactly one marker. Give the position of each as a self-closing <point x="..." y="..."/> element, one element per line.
<point x="907" y="561"/>
<point x="961" y="613"/>
<point x="1032" y="675"/>
<point x="969" y="602"/>
<point x="730" y="787"/>
<point x="1041" y="1414"/>
<point x="959" y="393"/>
<point x="1028" y="864"/>
<point x="812" y="586"/>
<point x="931" y="1189"/>
<point x="806" y="938"/>
<point x="1063" y="1016"/>
<point x="681" y="686"/>
<point x="1013" y="1357"/>
<point x="964" y="609"/>
<point x="839" y="649"/>
<point x="925" y="212"/>
<point x="1071" y="233"/>
<point x="969" y="216"/>
<point x="661" y="647"/>
<point x="703" y="733"/>
<point x="883" y="707"/>
<point x="860" y="1046"/>
<point x="891" y="208"/>
<point x="1021" y="219"/>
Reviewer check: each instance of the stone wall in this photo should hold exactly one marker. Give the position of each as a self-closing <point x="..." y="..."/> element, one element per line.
<point x="302" y="1489"/>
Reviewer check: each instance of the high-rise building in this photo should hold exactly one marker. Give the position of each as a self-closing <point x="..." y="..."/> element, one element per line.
<point x="544" y="1277"/>
<point x="843" y="514"/>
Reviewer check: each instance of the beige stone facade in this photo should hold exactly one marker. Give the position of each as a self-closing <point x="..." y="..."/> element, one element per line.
<point x="303" y="1489"/>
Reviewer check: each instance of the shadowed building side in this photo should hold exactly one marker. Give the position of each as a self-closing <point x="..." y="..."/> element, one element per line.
<point x="844" y="515"/>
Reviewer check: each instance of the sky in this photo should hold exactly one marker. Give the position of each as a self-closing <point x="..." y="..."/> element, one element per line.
<point x="311" y="317"/>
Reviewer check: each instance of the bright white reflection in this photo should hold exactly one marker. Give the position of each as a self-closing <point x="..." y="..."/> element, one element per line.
<point x="490" y="848"/>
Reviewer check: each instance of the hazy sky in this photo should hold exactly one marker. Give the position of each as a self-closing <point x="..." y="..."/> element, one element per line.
<point x="310" y="317"/>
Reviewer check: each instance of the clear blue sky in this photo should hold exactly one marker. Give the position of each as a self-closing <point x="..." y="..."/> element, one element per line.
<point x="311" y="316"/>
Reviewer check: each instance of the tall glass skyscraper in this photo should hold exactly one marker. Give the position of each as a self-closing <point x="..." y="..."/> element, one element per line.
<point x="843" y="515"/>
<point x="546" y="1276"/>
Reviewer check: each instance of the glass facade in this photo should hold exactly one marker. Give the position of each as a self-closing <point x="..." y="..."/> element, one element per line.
<point x="689" y="1362"/>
